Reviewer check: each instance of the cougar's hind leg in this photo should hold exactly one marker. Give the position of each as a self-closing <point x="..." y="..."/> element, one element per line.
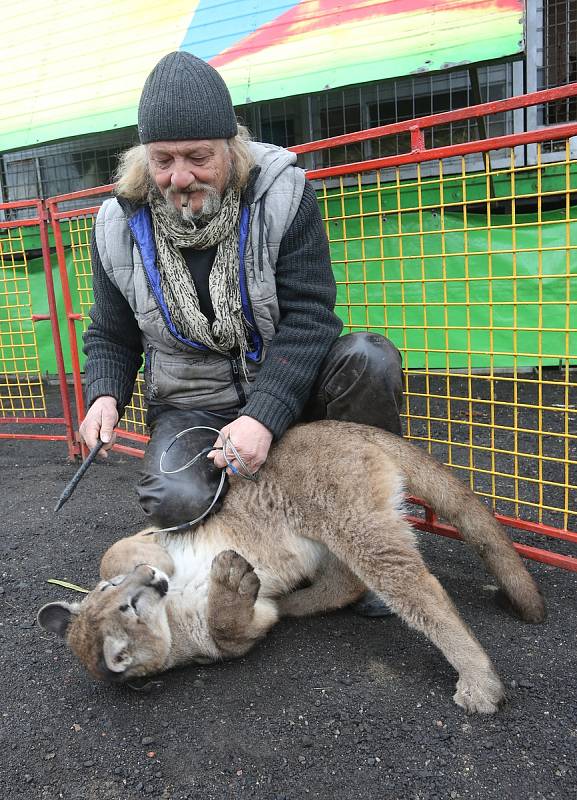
<point x="387" y="561"/>
<point x="333" y="586"/>
<point x="126" y="554"/>
<point x="422" y="603"/>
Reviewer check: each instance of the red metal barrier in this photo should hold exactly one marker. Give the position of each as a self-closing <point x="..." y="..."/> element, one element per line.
<point x="78" y="315"/>
<point x="38" y="220"/>
<point x="431" y="524"/>
<point x="72" y="317"/>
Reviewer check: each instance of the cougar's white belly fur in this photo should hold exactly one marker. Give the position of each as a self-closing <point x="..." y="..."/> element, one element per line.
<point x="293" y="561"/>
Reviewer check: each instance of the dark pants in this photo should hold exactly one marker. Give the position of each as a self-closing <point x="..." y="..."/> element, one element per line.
<point x="359" y="381"/>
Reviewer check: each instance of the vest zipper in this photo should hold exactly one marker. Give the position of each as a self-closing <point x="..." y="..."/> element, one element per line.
<point x="261" y="238"/>
<point x="248" y="313"/>
<point x="149" y="361"/>
<point x="234" y="363"/>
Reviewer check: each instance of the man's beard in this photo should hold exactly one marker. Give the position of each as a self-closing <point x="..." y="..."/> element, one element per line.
<point x="211" y="203"/>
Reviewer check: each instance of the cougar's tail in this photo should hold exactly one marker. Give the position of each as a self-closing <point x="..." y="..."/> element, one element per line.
<point x="431" y="481"/>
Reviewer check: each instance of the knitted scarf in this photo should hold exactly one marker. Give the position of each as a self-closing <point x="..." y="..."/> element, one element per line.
<point x="227" y="331"/>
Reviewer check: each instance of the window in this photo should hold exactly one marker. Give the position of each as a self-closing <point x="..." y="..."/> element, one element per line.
<point x="559" y="56"/>
<point x="275" y="121"/>
<point x="338" y="111"/>
<point x="62" y="167"/>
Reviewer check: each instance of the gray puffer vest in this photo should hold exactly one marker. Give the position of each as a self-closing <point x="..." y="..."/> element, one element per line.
<point x="178" y="371"/>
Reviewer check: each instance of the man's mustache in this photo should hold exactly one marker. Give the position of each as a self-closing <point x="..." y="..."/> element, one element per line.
<point x="192" y="187"/>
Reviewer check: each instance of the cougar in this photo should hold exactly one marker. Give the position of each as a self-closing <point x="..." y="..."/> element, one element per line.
<point x="323" y="522"/>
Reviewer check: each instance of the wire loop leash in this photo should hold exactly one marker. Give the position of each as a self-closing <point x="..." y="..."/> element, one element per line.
<point x="227" y="444"/>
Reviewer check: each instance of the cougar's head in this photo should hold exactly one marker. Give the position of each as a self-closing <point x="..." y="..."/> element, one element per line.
<point x="120" y="630"/>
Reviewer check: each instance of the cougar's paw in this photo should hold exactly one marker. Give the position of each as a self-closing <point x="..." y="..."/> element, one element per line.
<point x="484" y="694"/>
<point x="234" y="574"/>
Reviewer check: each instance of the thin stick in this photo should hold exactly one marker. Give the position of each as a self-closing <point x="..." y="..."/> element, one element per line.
<point x="76" y="479"/>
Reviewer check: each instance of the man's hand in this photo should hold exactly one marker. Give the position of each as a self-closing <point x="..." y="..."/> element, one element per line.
<point x="99" y="422"/>
<point x="252" y="440"/>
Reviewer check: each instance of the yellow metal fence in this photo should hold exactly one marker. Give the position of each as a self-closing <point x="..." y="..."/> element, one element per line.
<point x="21" y="388"/>
<point x="471" y="270"/>
<point x="78" y="229"/>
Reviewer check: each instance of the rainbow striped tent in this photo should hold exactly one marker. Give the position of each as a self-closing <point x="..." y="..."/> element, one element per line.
<point x="75" y="68"/>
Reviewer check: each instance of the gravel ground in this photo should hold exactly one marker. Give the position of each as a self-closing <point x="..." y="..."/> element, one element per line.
<point x="333" y="707"/>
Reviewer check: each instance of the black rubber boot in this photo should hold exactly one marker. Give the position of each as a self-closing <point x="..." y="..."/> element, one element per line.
<point x="182" y="496"/>
<point x="361" y="380"/>
<point x="371" y="605"/>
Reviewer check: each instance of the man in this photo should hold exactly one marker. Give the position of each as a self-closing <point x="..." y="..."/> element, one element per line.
<point x="214" y="262"/>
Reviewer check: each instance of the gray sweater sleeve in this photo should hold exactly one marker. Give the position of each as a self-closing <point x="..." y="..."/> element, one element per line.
<point x="112" y="342"/>
<point x="308" y="325"/>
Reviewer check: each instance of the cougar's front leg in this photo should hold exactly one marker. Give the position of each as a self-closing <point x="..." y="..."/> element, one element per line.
<point x="333" y="586"/>
<point x="126" y="554"/>
<point x="236" y="617"/>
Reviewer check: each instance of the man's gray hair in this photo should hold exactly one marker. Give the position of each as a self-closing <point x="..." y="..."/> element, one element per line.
<point x="134" y="181"/>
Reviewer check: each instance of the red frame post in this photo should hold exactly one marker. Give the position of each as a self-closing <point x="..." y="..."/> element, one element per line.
<point x="41" y="221"/>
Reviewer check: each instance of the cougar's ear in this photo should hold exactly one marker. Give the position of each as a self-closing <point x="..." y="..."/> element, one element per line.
<point x="56" y="617"/>
<point x="116" y="655"/>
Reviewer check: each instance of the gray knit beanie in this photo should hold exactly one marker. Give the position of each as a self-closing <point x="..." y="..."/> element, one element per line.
<point x="185" y="98"/>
